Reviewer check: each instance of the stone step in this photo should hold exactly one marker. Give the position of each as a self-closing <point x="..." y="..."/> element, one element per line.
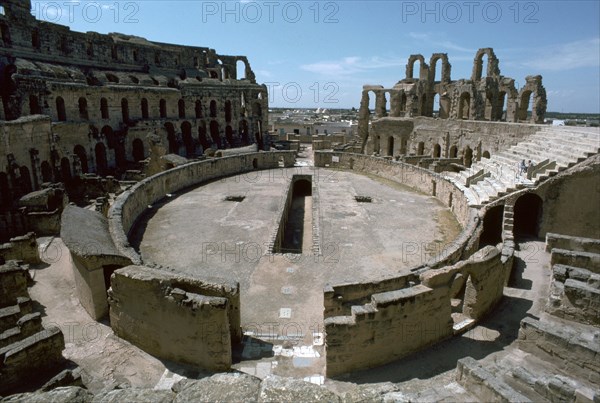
<point x="593" y="135"/>
<point x="555" y="154"/>
<point x="583" y="145"/>
<point x="484" y="384"/>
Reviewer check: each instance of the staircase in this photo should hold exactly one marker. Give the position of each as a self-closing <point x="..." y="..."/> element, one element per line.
<point x="562" y="147"/>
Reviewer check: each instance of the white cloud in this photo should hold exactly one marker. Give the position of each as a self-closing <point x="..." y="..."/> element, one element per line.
<point x="350" y="65"/>
<point x="566" y="56"/>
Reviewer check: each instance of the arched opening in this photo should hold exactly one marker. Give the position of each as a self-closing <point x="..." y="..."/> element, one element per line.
<point x="501" y="107"/>
<point x="228" y="111"/>
<point x="188" y="141"/>
<point x="80" y="152"/>
<point x="4" y="30"/>
<point x="202" y="135"/>
<point x="104" y="108"/>
<point x="420" y="148"/>
<point x="25" y="180"/>
<point x="489" y="107"/>
<point x="457" y="296"/>
<point x="61" y="113"/>
<point x="34" y="105"/>
<point x="5" y="198"/>
<point x="198" y="109"/>
<point x="46" y="172"/>
<point x="390" y="146"/>
<point x="437" y="151"/>
<point x="424" y="108"/>
<point x="453" y="153"/>
<point x="257" y="109"/>
<point x="403" y="101"/>
<point x="214" y="133"/>
<point x="241" y="70"/>
<point x="101" y="161"/>
<point x="171" y="138"/>
<point x="144" y="105"/>
<point x="213" y="109"/>
<point x="229" y="136"/>
<point x="525" y="106"/>
<point x="464" y="106"/>
<point x="162" y="106"/>
<point x="138" y="150"/>
<point x="244" y="132"/>
<point x="83" y="109"/>
<point x="486" y="154"/>
<point x="181" y="108"/>
<point x="436" y="106"/>
<point x="65" y="169"/>
<point x="468" y="157"/>
<point x="528" y="213"/>
<point x="125" y="110"/>
<point x="255" y="163"/>
<point x="492" y="227"/>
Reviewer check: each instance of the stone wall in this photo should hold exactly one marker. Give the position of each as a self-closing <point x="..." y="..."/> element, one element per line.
<point x="393" y="324"/>
<point x="134" y="201"/>
<point x="23" y="248"/>
<point x="176" y="317"/>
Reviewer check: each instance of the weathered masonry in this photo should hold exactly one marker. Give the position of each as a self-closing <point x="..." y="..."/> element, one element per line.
<point x="75" y="103"/>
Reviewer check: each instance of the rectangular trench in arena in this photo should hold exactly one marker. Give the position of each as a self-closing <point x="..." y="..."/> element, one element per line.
<point x="294" y="233"/>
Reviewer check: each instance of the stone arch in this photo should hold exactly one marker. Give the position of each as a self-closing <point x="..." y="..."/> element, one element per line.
<point x="423" y="69"/>
<point x="240" y="66"/>
<point x="464" y="106"/>
<point x="83" y="109"/>
<point x="34" y="105"/>
<point x="101" y="161"/>
<point x="79" y="151"/>
<point x="25" y="176"/>
<point x="420" y="148"/>
<point x="125" y="109"/>
<point x="229" y="135"/>
<point x="257" y="109"/>
<point x="138" y="152"/>
<point x="172" y="138"/>
<point x="453" y="153"/>
<point x="468" y="157"/>
<point x="213" y="109"/>
<point x="188" y="141"/>
<point x="437" y="151"/>
<point x="390" y="146"/>
<point x="104" y="108"/>
<point x="403" y="101"/>
<point x="46" y="171"/>
<point x="243" y="130"/>
<point x="228" y="112"/>
<point x="61" y="112"/>
<point x="162" y="108"/>
<point x="445" y="70"/>
<point x="198" y="109"/>
<point x="528" y="214"/>
<point x="424" y="106"/>
<point x="181" y="108"/>
<point x="215" y="133"/>
<point x="144" y="107"/>
<point x="65" y="169"/>
<point x="501" y="106"/>
<point x="486" y="154"/>
<point x="492" y="226"/>
<point x="202" y="135"/>
<point x="492" y="69"/>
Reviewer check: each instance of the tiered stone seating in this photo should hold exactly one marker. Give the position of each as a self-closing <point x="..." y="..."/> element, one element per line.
<point x="29" y="354"/>
<point x="564" y="146"/>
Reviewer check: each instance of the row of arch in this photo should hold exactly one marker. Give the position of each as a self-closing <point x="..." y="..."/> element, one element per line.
<point x="83" y="108"/>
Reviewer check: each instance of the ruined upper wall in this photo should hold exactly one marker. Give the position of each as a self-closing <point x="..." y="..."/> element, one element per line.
<point x="25" y="37"/>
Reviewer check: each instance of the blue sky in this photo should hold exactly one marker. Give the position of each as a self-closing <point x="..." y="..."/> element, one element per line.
<point x="320" y="53"/>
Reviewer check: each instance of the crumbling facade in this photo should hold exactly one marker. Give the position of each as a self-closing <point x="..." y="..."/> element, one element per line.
<point x="75" y="103"/>
<point x="487" y="95"/>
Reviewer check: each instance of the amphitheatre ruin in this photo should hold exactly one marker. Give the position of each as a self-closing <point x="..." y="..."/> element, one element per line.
<point x="155" y="247"/>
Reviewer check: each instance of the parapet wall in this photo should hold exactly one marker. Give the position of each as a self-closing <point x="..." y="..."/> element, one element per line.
<point x="134" y="201"/>
<point x="399" y="322"/>
<point x="176" y="317"/>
